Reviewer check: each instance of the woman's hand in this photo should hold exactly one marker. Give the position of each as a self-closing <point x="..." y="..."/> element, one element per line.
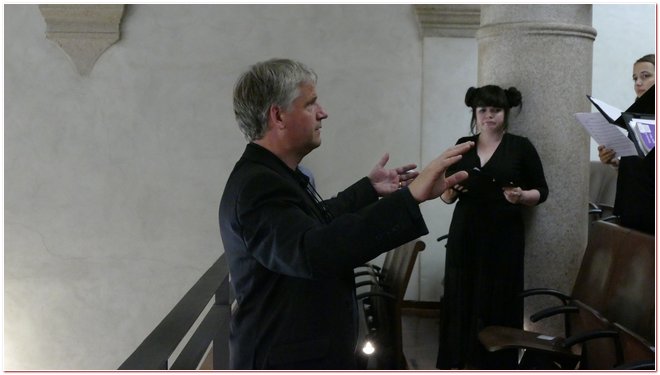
<point x="513" y="195"/>
<point x="449" y="196"/>
<point x="516" y="195"/>
<point x="607" y="156"/>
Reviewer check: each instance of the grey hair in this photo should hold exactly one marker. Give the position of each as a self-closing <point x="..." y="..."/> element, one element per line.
<point x="273" y="82"/>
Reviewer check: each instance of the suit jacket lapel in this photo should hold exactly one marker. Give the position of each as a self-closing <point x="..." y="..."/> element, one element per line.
<point x="257" y="154"/>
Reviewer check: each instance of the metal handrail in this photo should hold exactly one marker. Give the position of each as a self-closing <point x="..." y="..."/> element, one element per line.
<point x="154" y="352"/>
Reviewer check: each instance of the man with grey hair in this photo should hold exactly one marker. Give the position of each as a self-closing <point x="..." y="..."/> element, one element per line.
<point x="291" y="254"/>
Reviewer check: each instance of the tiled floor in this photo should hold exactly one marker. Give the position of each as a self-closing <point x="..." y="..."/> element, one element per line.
<point x="420" y="340"/>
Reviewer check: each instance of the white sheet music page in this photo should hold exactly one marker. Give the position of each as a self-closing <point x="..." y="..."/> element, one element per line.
<point x="611" y="111"/>
<point x="606" y="134"/>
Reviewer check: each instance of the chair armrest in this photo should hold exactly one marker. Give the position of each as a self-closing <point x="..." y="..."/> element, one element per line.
<point x="612" y="219"/>
<point x="595" y="210"/>
<point x="365" y="283"/>
<point x="597" y="334"/>
<point x="370" y="267"/>
<point x="368" y="272"/>
<point x="546" y="291"/>
<point x="648" y="364"/>
<point x="590" y="335"/>
<point x="552" y="311"/>
<point x="371" y="282"/>
<point x="376" y="293"/>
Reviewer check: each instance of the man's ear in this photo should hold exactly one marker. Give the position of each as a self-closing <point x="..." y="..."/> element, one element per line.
<point x="275" y="117"/>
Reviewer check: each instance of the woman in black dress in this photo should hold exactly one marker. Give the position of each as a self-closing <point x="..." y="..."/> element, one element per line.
<point x="484" y="268"/>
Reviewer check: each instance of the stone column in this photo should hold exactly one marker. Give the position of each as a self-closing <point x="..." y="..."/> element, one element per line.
<point x="546" y="52"/>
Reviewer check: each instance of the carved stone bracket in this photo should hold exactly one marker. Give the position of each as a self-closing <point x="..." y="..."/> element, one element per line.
<point x="83" y="31"/>
<point x="448" y="20"/>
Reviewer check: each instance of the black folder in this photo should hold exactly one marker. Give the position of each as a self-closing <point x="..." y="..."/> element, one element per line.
<point x="602" y="111"/>
<point x="479" y="180"/>
<point x="644" y="105"/>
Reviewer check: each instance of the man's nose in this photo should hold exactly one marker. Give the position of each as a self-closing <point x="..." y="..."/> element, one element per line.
<point x="322" y="114"/>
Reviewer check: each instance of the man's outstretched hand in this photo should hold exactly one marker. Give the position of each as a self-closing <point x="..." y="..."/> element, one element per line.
<point x="431" y="181"/>
<point x="387" y="181"/>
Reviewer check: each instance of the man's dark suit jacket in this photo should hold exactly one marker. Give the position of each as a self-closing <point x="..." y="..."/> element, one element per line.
<point x="292" y="267"/>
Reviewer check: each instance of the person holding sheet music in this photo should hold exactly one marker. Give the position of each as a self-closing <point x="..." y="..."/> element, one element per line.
<point x="644" y="77"/>
<point x="635" y="189"/>
<point x="484" y="268"/>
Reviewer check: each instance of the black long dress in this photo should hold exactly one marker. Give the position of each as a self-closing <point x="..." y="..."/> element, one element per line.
<point x="484" y="268"/>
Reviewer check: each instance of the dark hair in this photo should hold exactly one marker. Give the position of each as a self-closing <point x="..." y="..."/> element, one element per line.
<point x="650" y="58"/>
<point x="492" y="96"/>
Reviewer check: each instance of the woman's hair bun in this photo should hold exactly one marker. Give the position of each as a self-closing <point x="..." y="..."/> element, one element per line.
<point x="513" y="96"/>
<point x="470" y="95"/>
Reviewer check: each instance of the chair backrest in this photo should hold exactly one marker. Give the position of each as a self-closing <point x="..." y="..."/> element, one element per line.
<point x="635" y="348"/>
<point x="396" y="274"/>
<point x="387" y="265"/>
<point x="395" y="277"/>
<point x="617" y="278"/>
<point x="597" y="353"/>
<point x="602" y="183"/>
<point x="593" y="278"/>
<point x="631" y="295"/>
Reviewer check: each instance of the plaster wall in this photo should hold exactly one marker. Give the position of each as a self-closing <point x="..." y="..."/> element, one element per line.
<point x="450" y="67"/>
<point x="113" y="180"/>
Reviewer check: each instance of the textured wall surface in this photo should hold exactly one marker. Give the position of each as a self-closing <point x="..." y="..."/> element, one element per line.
<point x="517" y="45"/>
<point x="113" y="180"/>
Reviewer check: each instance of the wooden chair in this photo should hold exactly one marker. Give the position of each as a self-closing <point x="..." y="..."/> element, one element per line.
<point x="371" y="273"/>
<point x="630" y="299"/>
<point x="638" y="353"/>
<point x="382" y="305"/>
<point x="602" y="191"/>
<point x="601" y="211"/>
<point x="583" y="320"/>
<point x="640" y="365"/>
<point x="602" y="183"/>
<point x="593" y="278"/>
<point x="594" y="344"/>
